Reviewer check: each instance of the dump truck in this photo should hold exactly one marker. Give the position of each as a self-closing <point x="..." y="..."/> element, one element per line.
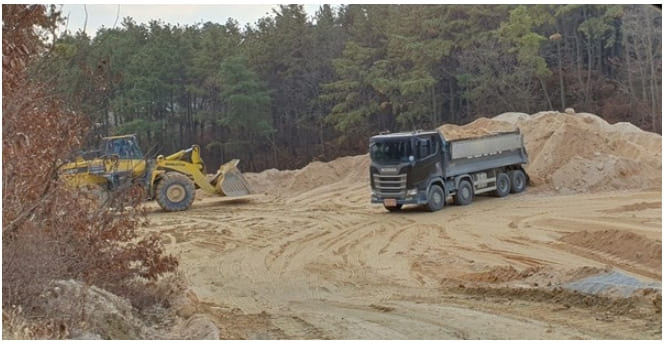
<point x="170" y="180"/>
<point x="424" y="168"/>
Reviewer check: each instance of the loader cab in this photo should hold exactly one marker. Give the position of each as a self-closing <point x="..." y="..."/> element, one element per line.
<point x="125" y="147"/>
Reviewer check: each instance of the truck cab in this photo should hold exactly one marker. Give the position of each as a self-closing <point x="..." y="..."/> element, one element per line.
<point x="402" y="165"/>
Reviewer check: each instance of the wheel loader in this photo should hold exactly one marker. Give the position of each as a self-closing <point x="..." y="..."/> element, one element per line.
<point x="170" y="180"/>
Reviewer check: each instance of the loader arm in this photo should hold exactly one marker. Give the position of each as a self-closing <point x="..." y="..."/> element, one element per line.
<point x="228" y="181"/>
<point x="189" y="169"/>
<point x="178" y="155"/>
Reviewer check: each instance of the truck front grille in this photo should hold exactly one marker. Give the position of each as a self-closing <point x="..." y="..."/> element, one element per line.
<point x="390" y="185"/>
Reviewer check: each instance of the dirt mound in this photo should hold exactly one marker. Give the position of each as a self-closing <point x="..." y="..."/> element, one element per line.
<point x="500" y="274"/>
<point x="582" y="152"/>
<point x="622" y="244"/>
<point x="578" y="153"/>
<point x="639" y="306"/>
<point x="538" y="276"/>
<point x="511" y="117"/>
<point x="567" y="153"/>
<point x="314" y="175"/>
<point x="481" y="126"/>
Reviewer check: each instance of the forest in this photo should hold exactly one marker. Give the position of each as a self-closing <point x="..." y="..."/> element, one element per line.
<point x="293" y="88"/>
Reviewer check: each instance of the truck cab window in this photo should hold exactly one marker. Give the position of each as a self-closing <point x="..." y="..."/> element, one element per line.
<point x="391" y="151"/>
<point x="424" y="148"/>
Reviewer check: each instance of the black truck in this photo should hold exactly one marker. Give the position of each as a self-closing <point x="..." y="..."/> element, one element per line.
<point x="425" y="169"/>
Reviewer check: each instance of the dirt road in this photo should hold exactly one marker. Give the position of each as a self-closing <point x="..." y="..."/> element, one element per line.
<point x="326" y="264"/>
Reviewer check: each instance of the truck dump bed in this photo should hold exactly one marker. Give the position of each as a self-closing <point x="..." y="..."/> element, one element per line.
<point x="486" y="152"/>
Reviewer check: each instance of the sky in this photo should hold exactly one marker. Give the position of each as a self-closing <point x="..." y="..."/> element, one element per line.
<point x="175" y="12"/>
<point x="99" y="15"/>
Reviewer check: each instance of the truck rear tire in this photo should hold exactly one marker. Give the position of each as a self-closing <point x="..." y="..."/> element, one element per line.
<point x="435" y="198"/>
<point x="175" y="192"/>
<point x="518" y="179"/>
<point x="502" y="185"/>
<point x="464" y="194"/>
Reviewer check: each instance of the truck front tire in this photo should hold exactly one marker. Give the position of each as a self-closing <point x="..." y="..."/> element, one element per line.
<point x="518" y="179"/>
<point x="464" y="194"/>
<point x="175" y="192"/>
<point x="435" y="198"/>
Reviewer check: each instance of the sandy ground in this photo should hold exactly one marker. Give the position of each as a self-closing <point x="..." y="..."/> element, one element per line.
<point x="327" y="264"/>
<point x="579" y="255"/>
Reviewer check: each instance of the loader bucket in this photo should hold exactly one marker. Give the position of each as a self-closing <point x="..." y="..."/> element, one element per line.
<point x="230" y="181"/>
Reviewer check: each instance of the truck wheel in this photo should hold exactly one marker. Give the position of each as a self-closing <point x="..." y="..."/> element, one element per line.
<point x="395" y="208"/>
<point x="435" y="198"/>
<point x="518" y="179"/>
<point x="175" y="192"/>
<point x="464" y="194"/>
<point x="502" y="185"/>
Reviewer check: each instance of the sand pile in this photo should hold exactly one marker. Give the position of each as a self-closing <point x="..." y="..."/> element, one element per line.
<point x="500" y="274"/>
<point x="625" y="245"/>
<point x="567" y="153"/>
<point x="481" y="126"/>
<point x="314" y="175"/>
<point x="578" y="153"/>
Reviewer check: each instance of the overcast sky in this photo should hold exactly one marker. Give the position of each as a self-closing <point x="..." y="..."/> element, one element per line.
<point x="105" y="15"/>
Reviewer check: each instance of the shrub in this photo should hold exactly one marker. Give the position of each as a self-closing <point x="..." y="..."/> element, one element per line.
<point x="48" y="232"/>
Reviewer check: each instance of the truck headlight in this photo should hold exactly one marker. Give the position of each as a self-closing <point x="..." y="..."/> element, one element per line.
<point x="373" y="192"/>
<point x="412" y="192"/>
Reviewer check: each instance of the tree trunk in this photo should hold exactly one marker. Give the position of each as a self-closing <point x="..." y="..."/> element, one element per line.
<point x="451" y="86"/>
<point x="275" y="159"/>
<point x="321" y="135"/>
<point x="630" y="84"/>
<point x="654" y="89"/>
<point x="560" y="76"/>
<point x="433" y="106"/>
<point x="546" y="94"/>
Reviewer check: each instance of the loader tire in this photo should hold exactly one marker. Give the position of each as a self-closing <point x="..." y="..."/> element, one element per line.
<point x="175" y="192"/>
<point x="94" y="195"/>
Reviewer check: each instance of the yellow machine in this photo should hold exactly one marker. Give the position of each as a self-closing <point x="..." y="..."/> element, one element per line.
<point x="170" y="180"/>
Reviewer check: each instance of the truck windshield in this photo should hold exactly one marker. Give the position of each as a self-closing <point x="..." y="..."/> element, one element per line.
<point x="391" y="151"/>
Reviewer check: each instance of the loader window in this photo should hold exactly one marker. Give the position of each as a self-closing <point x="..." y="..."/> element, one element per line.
<point x="124" y="148"/>
<point x="391" y="151"/>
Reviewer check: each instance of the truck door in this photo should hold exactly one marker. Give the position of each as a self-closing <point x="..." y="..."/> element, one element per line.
<point x="426" y="150"/>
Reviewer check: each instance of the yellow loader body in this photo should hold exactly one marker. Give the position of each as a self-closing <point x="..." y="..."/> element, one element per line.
<point x="171" y="180"/>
